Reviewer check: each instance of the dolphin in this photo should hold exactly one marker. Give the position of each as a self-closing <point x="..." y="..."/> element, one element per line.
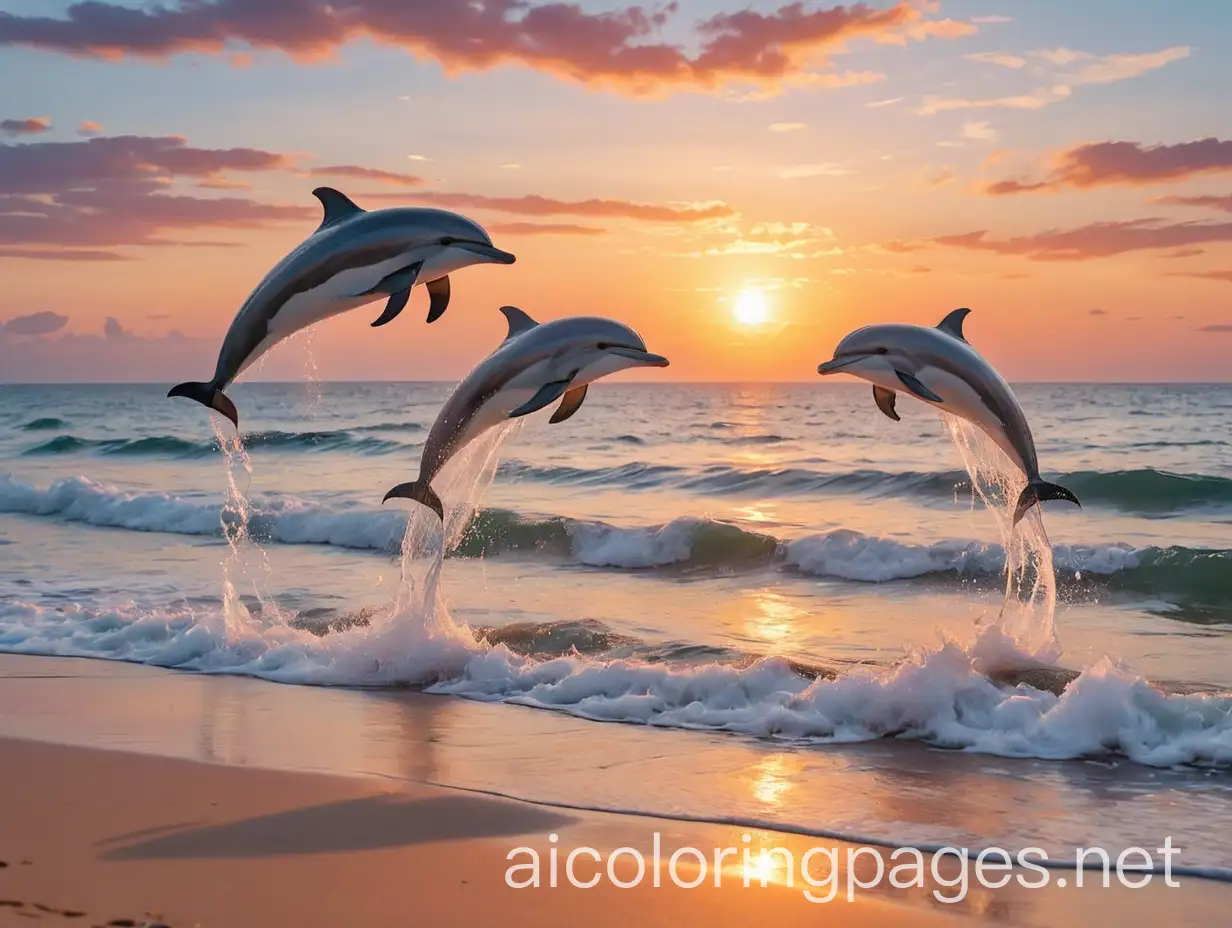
<point x="938" y="366"/>
<point x="533" y="367"/>
<point x="354" y="257"/>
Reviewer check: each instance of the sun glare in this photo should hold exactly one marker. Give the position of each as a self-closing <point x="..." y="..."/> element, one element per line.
<point x="751" y="308"/>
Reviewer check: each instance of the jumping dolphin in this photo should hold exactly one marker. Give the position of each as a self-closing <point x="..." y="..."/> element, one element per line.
<point x="534" y="366"/>
<point x="939" y="367"/>
<point x="353" y="258"/>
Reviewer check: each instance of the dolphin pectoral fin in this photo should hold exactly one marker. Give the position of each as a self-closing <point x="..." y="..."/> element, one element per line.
<point x="570" y="404"/>
<point x="337" y="206"/>
<point x="518" y="320"/>
<point x="439" y="291"/>
<point x="885" y="401"/>
<point x="952" y="323"/>
<point x="917" y="388"/>
<point x="548" y="393"/>
<point x="397" y="302"/>
<point x="401" y="279"/>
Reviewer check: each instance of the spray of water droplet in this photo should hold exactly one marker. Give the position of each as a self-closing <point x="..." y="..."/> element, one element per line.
<point x="246" y="562"/>
<point x="1024" y="631"/>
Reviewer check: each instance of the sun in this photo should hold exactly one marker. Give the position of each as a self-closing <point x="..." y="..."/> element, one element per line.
<point x="751" y="308"/>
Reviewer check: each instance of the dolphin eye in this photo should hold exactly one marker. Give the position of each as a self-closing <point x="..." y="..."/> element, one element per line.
<point x="603" y="346"/>
<point x="448" y="240"/>
<point x="882" y="351"/>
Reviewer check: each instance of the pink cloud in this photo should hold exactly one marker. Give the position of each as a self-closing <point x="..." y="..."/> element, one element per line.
<point x="1100" y="164"/>
<point x="616" y="48"/>
<point x="1223" y="204"/>
<point x="535" y="205"/>
<point x="1098" y="240"/>
<point x="351" y="170"/>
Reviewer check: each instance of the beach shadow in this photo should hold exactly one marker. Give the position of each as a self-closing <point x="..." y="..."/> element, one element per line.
<point x="370" y="823"/>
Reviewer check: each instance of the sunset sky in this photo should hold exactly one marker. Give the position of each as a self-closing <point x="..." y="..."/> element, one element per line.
<point x="743" y="182"/>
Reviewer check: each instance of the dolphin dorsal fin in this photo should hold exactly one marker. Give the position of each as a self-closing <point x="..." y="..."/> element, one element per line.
<point x="337" y="205"/>
<point x="952" y="324"/>
<point x="519" y="322"/>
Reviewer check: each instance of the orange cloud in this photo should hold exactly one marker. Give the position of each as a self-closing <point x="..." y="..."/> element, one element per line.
<point x="1224" y="276"/>
<point x="543" y="228"/>
<point x="33" y="126"/>
<point x="612" y="48"/>
<point x="1223" y="204"/>
<point x="1102" y="164"/>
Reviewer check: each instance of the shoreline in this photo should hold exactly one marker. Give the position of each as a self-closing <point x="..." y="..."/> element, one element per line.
<point x="167" y="841"/>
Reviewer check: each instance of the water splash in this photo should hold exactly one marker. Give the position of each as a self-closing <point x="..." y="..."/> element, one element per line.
<point x="246" y="560"/>
<point x="419" y="617"/>
<point x="1025" y="629"/>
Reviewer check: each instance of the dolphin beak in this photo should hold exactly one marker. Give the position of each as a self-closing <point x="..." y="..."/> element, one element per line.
<point x="491" y="252"/>
<point x="643" y="358"/>
<point x="830" y="367"/>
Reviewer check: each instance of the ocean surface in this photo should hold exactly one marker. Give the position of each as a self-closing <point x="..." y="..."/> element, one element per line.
<point x="800" y="607"/>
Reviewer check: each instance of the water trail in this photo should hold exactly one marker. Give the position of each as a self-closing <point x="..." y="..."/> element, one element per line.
<point x="1025" y="628"/>
<point x="235" y="517"/>
<point x="418" y="604"/>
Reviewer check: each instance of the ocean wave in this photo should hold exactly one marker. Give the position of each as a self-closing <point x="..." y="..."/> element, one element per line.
<point x="170" y="446"/>
<point x="1199" y="575"/>
<point x="1145" y="490"/>
<point x="44" y="424"/>
<point x="947" y="696"/>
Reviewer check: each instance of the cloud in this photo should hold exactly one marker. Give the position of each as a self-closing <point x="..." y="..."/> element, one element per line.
<point x="991" y="20"/>
<point x="1185" y="253"/>
<point x="787" y="126"/>
<point x="889" y="102"/>
<point x="1224" y="329"/>
<point x="1035" y="100"/>
<point x="1097" y="312"/>
<point x="543" y="228"/>
<point x="113" y="331"/>
<point x="616" y="48"/>
<point x="1001" y="59"/>
<point x="1098" y="240"/>
<point x="535" y="205"/>
<point x="102" y="192"/>
<point x="61" y="254"/>
<point x="35" y="324"/>
<point x="899" y="248"/>
<point x="779" y="239"/>
<point x="90" y="128"/>
<point x="826" y="169"/>
<point x="1101" y="164"/>
<point x="1223" y="204"/>
<point x="1223" y="276"/>
<point x="979" y="132"/>
<point x="34" y="126"/>
<point x="1094" y="69"/>
<point x="1112" y="68"/>
<point x="351" y="170"/>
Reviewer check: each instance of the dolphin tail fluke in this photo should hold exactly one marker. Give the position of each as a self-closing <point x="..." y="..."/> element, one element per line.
<point x="1036" y="492"/>
<point x="421" y="492"/>
<point x="207" y="395"/>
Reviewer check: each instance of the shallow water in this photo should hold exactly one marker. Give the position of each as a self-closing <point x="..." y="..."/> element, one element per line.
<point x="779" y="563"/>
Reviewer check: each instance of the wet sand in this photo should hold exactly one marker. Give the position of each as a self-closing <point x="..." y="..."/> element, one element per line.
<point x="215" y="838"/>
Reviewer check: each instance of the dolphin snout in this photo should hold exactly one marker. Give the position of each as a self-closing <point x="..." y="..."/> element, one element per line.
<point x="837" y="364"/>
<point x="491" y="252"/>
<point x="642" y="357"/>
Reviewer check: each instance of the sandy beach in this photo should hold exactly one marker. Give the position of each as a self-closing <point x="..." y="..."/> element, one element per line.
<point x="127" y="838"/>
